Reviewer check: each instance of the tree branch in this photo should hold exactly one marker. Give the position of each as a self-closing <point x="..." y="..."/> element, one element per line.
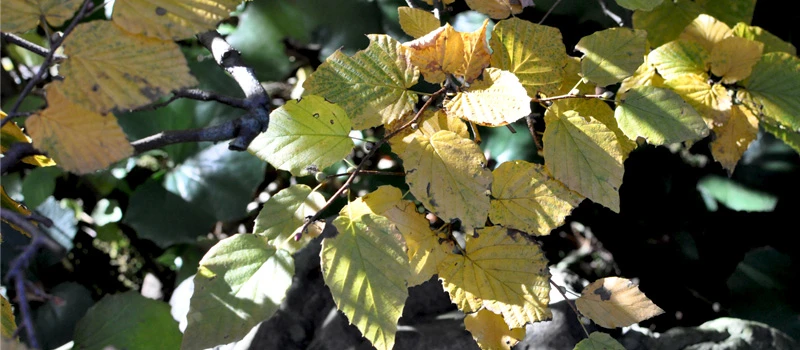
<point x="15" y="153"/>
<point x="27" y="45"/>
<point x="257" y="99"/>
<point x="369" y="155"/>
<point x="215" y="133"/>
<point x="48" y="60"/>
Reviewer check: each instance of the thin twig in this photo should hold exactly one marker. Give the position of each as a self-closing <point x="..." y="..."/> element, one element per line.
<point x="27" y="45"/>
<point x="16" y="152"/>
<point x="195" y="94"/>
<point x="215" y="133"/>
<point x="372" y="172"/>
<point x="366" y="158"/>
<point x="48" y="60"/>
<point x="574" y="309"/>
<point x="550" y="10"/>
<point x="564" y="97"/>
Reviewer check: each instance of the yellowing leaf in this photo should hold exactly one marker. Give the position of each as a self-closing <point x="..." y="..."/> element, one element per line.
<point x="496" y="9"/>
<point x="599" y="110"/>
<point x="734" y="137"/>
<point x="110" y="69"/>
<point x="284" y="213"/>
<point x="533" y="52"/>
<point x="10" y="134"/>
<point x="10" y="204"/>
<point x="445" y="2"/>
<point x="645" y="75"/>
<point x="646" y="5"/>
<point x="771" y="42"/>
<point x="585" y="155"/>
<point x="80" y="140"/>
<point x="706" y="31"/>
<point x="447" y="173"/>
<point x="733" y="58"/>
<point x="612" y="54"/>
<point x="666" y="21"/>
<point x="678" y="58"/>
<point x="431" y="122"/>
<point x="17" y="16"/>
<point x="506" y="275"/>
<point x="171" y="19"/>
<point x="615" y="302"/>
<point x="572" y="75"/>
<point x="526" y="198"/>
<point x="729" y="11"/>
<point x="372" y="86"/>
<point x="791" y="138"/>
<point x="7" y="318"/>
<point x="711" y="101"/>
<point x="496" y="99"/>
<point x="659" y="115"/>
<point x="599" y="341"/>
<point x="491" y="332"/>
<point x="446" y="51"/>
<point x="424" y="250"/>
<point x="366" y="270"/>
<point x="775" y="88"/>
<point x="304" y="135"/>
<point x="417" y="22"/>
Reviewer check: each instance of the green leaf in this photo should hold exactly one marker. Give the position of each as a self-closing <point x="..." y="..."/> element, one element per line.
<point x="366" y="269"/>
<point x="775" y="88"/>
<point x="304" y="135"/>
<point x="526" y="198"/>
<point x="447" y="173"/>
<point x="284" y="213"/>
<point x="372" y="86"/>
<point x="533" y="52"/>
<point x="146" y="214"/>
<point x="56" y="319"/>
<point x="584" y="154"/>
<point x="679" y="58"/>
<point x="771" y="42"/>
<point x="127" y="321"/>
<point x="7" y="323"/>
<point x="729" y="11"/>
<point x="599" y="341"/>
<point x="791" y="138"/>
<point x="496" y="99"/>
<point x="241" y="281"/>
<point x="500" y="271"/>
<point x="65" y="224"/>
<point x="218" y="179"/>
<point x="39" y="184"/>
<point x="659" y="115"/>
<point x="734" y="195"/>
<point x="646" y="5"/>
<point x="666" y="21"/>
<point x="612" y="54"/>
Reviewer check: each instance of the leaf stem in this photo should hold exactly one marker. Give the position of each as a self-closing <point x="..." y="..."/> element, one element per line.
<point x="364" y="160"/>
<point x="373" y="172"/>
<point x="566" y="300"/>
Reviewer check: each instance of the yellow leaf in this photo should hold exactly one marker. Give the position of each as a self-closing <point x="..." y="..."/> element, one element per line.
<point x="666" y="21"/>
<point x="11" y="133"/>
<point x="446" y="2"/>
<point x="584" y="154"/>
<point x="7" y="318"/>
<point x="491" y="332"/>
<point x="424" y="250"/>
<point x="366" y="270"/>
<point x="417" y="22"/>
<point x="733" y="58"/>
<point x="526" y="198"/>
<point x="572" y="74"/>
<point x="645" y="75"/>
<point x="711" y="101"/>
<point x="81" y="140"/>
<point x="372" y="86"/>
<point x="706" y="31"/>
<point x="10" y="204"/>
<point x="611" y="55"/>
<point x="19" y="16"/>
<point x="680" y="57"/>
<point x="171" y="19"/>
<point x="496" y="99"/>
<point x="448" y="174"/>
<point x="505" y="274"/>
<point x="496" y="9"/>
<point x="283" y="215"/>
<point x="734" y="137"/>
<point x="533" y="52"/>
<point x="599" y="110"/>
<point x="110" y="69"/>
<point x="771" y="42"/>
<point x="430" y="123"/>
<point x="615" y="302"/>
<point x="446" y="51"/>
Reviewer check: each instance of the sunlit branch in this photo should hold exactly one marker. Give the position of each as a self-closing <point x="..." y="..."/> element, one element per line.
<point x="195" y="94"/>
<point x="215" y="133"/>
<point x="27" y="45"/>
<point x="49" y="58"/>
<point x="564" y="97"/>
<point x="366" y="158"/>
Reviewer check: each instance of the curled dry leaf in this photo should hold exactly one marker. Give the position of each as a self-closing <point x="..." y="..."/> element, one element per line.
<point x="615" y="302"/>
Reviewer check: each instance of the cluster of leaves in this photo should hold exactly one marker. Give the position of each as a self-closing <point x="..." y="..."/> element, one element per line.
<point x="702" y="75"/>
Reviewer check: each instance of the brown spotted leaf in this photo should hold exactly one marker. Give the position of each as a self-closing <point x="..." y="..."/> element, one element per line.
<point x="171" y="19"/>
